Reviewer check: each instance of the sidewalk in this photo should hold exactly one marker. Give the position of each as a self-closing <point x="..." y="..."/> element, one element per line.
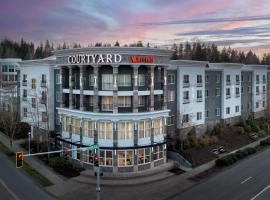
<point x="33" y="162"/>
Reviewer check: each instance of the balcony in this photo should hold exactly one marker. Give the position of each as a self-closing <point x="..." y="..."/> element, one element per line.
<point x="24" y="98"/>
<point x="43" y="84"/>
<point x="237" y="95"/>
<point x="237" y="82"/>
<point x="24" y="83"/>
<point x="199" y="84"/>
<point x="186" y="84"/>
<point x="228" y="82"/>
<point x="228" y="96"/>
<point x="185" y="101"/>
<point x="199" y="99"/>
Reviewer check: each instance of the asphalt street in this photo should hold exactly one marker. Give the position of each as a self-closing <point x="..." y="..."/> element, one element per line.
<point x="16" y="185"/>
<point x="247" y="180"/>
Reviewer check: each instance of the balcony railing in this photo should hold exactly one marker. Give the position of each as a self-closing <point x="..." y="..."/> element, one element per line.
<point x="24" y="83"/>
<point x="43" y="84"/>
<point x="199" y="84"/>
<point x="186" y="101"/>
<point x="107" y="107"/>
<point x="257" y="82"/>
<point x="228" y="82"/>
<point x="186" y="84"/>
<point x="199" y="99"/>
<point x="237" y="95"/>
<point x="238" y="82"/>
<point x="228" y="96"/>
<point x="107" y="86"/>
<point x="24" y="98"/>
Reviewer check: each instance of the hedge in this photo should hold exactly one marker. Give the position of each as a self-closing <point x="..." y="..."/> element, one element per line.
<point x="265" y="142"/>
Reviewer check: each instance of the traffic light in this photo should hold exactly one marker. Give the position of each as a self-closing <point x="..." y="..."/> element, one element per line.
<point x="19" y="159"/>
<point x="96" y="161"/>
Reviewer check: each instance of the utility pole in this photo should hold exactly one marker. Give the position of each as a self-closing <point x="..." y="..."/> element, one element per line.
<point x="98" y="190"/>
<point x="29" y="142"/>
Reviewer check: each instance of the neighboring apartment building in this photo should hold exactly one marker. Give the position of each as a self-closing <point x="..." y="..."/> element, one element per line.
<point x="37" y="93"/>
<point x="9" y="70"/>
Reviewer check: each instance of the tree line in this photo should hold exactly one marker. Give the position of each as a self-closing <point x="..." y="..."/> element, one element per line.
<point x="187" y="51"/>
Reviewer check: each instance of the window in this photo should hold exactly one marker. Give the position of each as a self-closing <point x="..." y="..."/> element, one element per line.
<point x="257" y="104"/>
<point x="206" y="114"/>
<point x="186" y="81"/>
<point x="236" y="108"/>
<point x="33" y="83"/>
<point x="141" y="80"/>
<point x="185" y="118"/>
<point x="57" y="94"/>
<point x="228" y="79"/>
<point x="105" y="158"/>
<point x="217" y="78"/>
<point x="124" y="101"/>
<point x="257" y="79"/>
<point x="249" y="89"/>
<point x="206" y="93"/>
<point x="228" y="93"/>
<point x="107" y="81"/>
<point x="264" y="90"/>
<point x="124" y="80"/>
<point x="125" y="130"/>
<point x="125" y="158"/>
<point x="199" y="79"/>
<point x="217" y="112"/>
<point x="58" y="79"/>
<point x="144" y="128"/>
<point x="34" y="104"/>
<point x="171" y="95"/>
<point x="257" y="90"/>
<point x="199" y="95"/>
<point x="264" y="80"/>
<point x="143" y="156"/>
<point x="242" y="89"/>
<point x="242" y="78"/>
<point x="24" y="93"/>
<point x="158" y="126"/>
<point x="65" y="123"/>
<point x="88" y="128"/>
<point x="43" y="78"/>
<point x="217" y="92"/>
<point x="91" y="80"/>
<point x="44" y="117"/>
<point x="75" y="126"/>
<point x="186" y="97"/>
<point x="91" y="100"/>
<point x="249" y="78"/>
<point x="228" y="110"/>
<point x="237" y="80"/>
<point x="263" y="104"/>
<point x="171" y="79"/>
<point x="199" y="115"/>
<point x="11" y="68"/>
<point x="158" y="152"/>
<point x="43" y="96"/>
<point x="237" y="92"/>
<point x="141" y="100"/>
<point x="24" y="112"/>
<point x="105" y="130"/>
<point x="24" y="77"/>
<point x="170" y="120"/>
<point x="107" y="103"/>
<point x="206" y="78"/>
<point x="5" y="68"/>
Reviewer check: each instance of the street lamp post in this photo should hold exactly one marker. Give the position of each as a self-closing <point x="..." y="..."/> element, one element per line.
<point x="29" y="142"/>
<point x="98" y="190"/>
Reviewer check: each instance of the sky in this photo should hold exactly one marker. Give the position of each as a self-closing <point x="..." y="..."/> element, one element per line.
<point x="242" y="24"/>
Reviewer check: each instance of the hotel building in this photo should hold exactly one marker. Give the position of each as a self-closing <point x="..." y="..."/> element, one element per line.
<point x="128" y="99"/>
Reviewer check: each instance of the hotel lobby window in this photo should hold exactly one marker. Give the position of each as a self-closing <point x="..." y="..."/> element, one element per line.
<point x="105" y="158"/>
<point x="141" y="80"/>
<point x="124" y="80"/>
<point x="91" y="80"/>
<point x="158" y="126"/>
<point x="107" y="103"/>
<point x="144" y="129"/>
<point x="141" y="101"/>
<point x="75" y="126"/>
<point x="125" y="158"/>
<point x="65" y="126"/>
<point x="107" y="81"/>
<point x="88" y="156"/>
<point x="125" y="130"/>
<point x="105" y="130"/>
<point x="124" y="101"/>
<point x="88" y="128"/>
<point x="143" y="156"/>
<point x="157" y="152"/>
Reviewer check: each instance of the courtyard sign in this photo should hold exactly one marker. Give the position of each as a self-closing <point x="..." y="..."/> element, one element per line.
<point x="94" y="58"/>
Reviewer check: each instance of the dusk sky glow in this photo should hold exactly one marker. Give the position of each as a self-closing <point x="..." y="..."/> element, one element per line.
<point x="241" y="24"/>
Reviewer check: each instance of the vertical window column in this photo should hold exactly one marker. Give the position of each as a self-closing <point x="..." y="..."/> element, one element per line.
<point x="95" y="98"/>
<point x="62" y="96"/>
<point x="82" y="78"/>
<point x="151" y="86"/>
<point x="165" y="100"/>
<point x="71" y="86"/>
<point x="135" y="88"/>
<point x="115" y="89"/>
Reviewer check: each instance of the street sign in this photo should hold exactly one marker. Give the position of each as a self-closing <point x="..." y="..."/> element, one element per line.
<point x="91" y="147"/>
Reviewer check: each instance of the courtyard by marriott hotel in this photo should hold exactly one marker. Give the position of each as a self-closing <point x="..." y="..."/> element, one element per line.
<point x="129" y="99"/>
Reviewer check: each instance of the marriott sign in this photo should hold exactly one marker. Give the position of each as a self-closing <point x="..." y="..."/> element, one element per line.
<point x="94" y="58"/>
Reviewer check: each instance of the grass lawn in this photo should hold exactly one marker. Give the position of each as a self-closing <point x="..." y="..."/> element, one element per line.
<point x="27" y="168"/>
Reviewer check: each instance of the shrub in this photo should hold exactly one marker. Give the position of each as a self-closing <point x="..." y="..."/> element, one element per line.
<point x="255" y="128"/>
<point x="206" y="140"/>
<point x="241" y="154"/>
<point x="247" y="128"/>
<point x="58" y="162"/>
<point x="250" y="150"/>
<point x="265" y="142"/>
<point x="240" y="130"/>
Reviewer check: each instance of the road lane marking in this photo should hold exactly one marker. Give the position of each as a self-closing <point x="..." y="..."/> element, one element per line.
<point x="260" y="192"/>
<point x="9" y="190"/>
<point x="246" y="180"/>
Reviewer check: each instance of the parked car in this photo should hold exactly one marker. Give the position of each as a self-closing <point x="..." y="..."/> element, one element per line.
<point x="215" y="151"/>
<point x="221" y="149"/>
<point x="253" y="136"/>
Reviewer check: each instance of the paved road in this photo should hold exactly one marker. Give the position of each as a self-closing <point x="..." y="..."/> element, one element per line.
<point x="16" y="185"/>
<point x="248" y="180"/>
